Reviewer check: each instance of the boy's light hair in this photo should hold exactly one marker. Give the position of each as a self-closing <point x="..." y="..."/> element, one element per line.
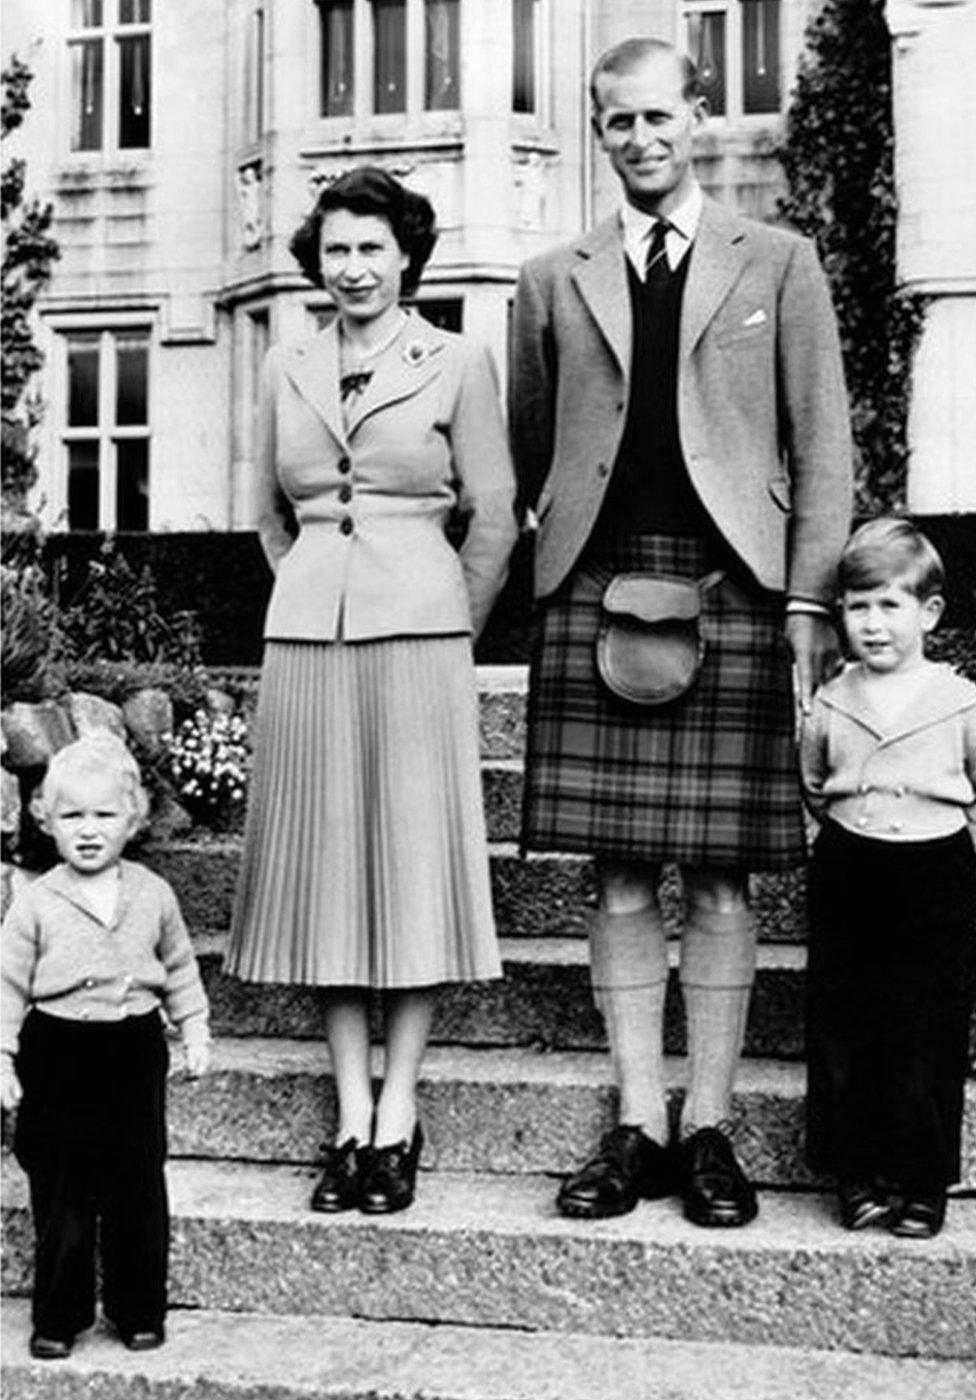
<point x="95" y="755"/>
<point x="891" y="548"/>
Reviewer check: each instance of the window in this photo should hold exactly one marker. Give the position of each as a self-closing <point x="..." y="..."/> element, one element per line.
<point x="110" y="60"/>
<point x="524" y="47"/>
<point x="736" y="45"/>
<point x="254" y="115"/>
<point x="389" y="57"/>
<point x="106" y="434"/>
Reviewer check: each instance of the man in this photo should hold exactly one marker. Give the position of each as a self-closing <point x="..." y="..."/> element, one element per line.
<point x="678" y="408"/>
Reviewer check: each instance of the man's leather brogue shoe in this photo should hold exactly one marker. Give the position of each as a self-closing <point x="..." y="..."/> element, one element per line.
<point x="628" y="1166"/>
<point x="714" y="1188"/>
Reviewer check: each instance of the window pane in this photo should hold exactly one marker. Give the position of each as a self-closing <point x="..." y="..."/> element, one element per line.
<point x="446" y="315"/>
<point x="706" y="45"/>
<point x="523" y="55"/>
<point x="442" y="48"/>
<point x="83" y="486"/>
<point x="86" y="14"/>
<point x="760" y="55"/>
<point x="134" y="95"/>
<point x="132" y="485"/>
<point x="389" y="55"/>
<point x="336" y="80"/>
<point x="86" y="95"/>
<point x="83" y="382"/>
<point x="132" y="362"/>
<point x="134" y="11"/>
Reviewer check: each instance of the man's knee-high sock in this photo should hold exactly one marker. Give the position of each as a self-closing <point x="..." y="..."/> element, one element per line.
<point x="718" y="963"/>
<point x="629" y="973"/>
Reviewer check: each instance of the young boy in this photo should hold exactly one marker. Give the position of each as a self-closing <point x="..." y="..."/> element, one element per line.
<point x="90" y="952"/>
<point x="889" y="765"/>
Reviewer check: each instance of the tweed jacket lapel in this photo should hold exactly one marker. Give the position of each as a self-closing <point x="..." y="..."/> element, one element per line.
<point x="398" y="375"/>
<point x="313" y="367"/>
<point x="601" y="278"/>
<point x="717" y="258"/>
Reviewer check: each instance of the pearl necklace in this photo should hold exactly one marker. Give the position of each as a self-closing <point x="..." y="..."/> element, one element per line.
<point x="354" y="359"/>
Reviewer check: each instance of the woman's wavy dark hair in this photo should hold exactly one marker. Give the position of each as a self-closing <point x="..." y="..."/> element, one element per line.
<point x="369" y="190"/>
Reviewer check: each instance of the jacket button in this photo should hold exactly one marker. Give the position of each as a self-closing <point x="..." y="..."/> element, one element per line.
<point x="345" y="524"/>
<point x="602" y="469"/>
<point x="345" y="493"/>
<point x="344" y="465"/>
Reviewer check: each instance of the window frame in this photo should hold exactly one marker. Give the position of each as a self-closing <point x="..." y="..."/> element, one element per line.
<point x="734" y="58"/>
<point x="106" y="432"/>
<point x="108" y="36"/>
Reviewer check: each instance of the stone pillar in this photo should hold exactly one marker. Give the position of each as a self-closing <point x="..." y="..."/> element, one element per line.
<point x="934" y="63"/>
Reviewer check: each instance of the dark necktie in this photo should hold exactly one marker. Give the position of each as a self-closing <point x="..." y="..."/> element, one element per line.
<point x="656" y="269"/>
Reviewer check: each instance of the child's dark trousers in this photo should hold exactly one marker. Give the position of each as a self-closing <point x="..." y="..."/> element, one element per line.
<point x="890" y="991"/>
<point x="91" y="1135"/>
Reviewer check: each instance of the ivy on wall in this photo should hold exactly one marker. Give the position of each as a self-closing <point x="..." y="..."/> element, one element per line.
<point x="838" y="155"/>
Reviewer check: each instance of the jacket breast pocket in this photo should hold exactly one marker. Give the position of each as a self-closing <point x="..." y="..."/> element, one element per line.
<point x="745" y="337"/>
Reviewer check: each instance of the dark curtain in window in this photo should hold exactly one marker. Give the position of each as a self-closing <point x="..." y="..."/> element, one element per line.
<point x="134" y="90"/>
<point x="83" y="486"/>
<point x="87" y="89"/>
<point x="389" y="55"/>
<point x="523" y="55"/>
<point x="706" y="45"/>
<point x="131" y="381"/>
<point x="83" y="382"/>
<point x="442" y="51"/>
<point x="336" y="58"/>
<point x="760" y="55"/>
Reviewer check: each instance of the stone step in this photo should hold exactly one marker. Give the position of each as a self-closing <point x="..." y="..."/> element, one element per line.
<point x="250" y="1356"/>
<point x="533" y="897"/>
<point x="492" y="1111"/>
<point x="491" y="1251"/>
<point x="544" y="999"/>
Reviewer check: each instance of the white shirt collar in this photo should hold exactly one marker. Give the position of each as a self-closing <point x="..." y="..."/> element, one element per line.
<point x="683" y="221"/>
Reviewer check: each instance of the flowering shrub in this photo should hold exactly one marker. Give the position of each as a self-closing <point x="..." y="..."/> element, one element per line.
<point x="208" y="760"/>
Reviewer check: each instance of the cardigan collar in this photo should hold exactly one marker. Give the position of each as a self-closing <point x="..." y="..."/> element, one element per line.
<point x="945" y="694"/>
<point x="59" y="880"/>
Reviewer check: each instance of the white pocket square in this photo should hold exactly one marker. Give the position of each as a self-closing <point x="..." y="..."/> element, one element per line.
<point x="758" y="318"/>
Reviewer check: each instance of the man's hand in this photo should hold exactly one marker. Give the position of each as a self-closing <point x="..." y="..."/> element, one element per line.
<point x="197" y="1058"/>
<point x="10" y="1090"/>
<point x="816" y="652"/>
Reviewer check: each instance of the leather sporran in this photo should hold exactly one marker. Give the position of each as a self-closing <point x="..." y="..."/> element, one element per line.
<point x="649" y="649"/>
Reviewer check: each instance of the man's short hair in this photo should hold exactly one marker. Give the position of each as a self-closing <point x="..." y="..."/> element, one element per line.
<point x="631" y="53"/>
<point x="891" y="548"/>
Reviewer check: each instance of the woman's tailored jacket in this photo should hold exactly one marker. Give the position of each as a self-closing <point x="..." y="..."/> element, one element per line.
<point x="371" y="496"/>
<point x="912" y="779"/>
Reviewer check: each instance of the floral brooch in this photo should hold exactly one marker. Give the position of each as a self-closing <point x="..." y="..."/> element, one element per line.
<point x="415" y="352"/>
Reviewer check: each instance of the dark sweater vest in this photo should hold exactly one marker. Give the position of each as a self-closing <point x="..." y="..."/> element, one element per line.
<point x="649" y="490"/>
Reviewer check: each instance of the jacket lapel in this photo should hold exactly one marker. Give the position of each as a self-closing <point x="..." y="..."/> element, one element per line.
<point x="414" y="362"/>
<point x="313" y="368"/>
<point x="717" y="258"/>
<point x="601" y="278"/>
<point x="943" y="697"/>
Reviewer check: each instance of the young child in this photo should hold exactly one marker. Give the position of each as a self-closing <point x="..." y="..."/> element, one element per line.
<point x="90" y="951"/>
<point x="888" y="756"/>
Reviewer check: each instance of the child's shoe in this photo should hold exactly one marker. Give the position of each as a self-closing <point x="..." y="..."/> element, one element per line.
<point x="49" y="1348"/>
<point x="861" y="1204"/>
<point x="920" y="1217"/>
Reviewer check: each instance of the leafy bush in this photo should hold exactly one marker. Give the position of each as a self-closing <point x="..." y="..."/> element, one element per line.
<point x="838" y="157"/>
<point x="30" y="641"/>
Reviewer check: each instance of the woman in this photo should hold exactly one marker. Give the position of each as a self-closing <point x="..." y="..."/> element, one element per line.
<point x="365" y="861"/>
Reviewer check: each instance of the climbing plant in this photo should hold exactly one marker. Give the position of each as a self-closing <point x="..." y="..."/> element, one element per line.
<point x="838" y="155"/>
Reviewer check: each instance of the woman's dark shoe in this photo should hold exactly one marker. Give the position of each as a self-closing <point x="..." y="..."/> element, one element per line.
<point x="339" y="1185"/>
<point x="389" y="1175"/>
<point x="920" y="1217"/>
<point x="714" y="1188"/>
<point x="49" y="1348"/>
<point x="628" y="1165"/>
<point x="144" y="1341"/>
<point x="861" y="1204"/>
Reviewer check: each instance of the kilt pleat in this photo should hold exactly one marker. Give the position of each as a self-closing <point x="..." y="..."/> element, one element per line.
<point x="709" y="779"/>
<point x="365" y="858"/>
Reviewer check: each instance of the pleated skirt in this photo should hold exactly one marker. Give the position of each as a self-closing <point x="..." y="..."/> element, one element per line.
<point x="365" y="856"/>
<point x="709" y="779"/>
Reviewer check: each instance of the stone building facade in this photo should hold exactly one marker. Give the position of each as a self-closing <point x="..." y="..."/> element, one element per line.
<point x="181" y="142"/>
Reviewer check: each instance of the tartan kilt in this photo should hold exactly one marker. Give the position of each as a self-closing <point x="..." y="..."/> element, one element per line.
<point x="709" y="779"/>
